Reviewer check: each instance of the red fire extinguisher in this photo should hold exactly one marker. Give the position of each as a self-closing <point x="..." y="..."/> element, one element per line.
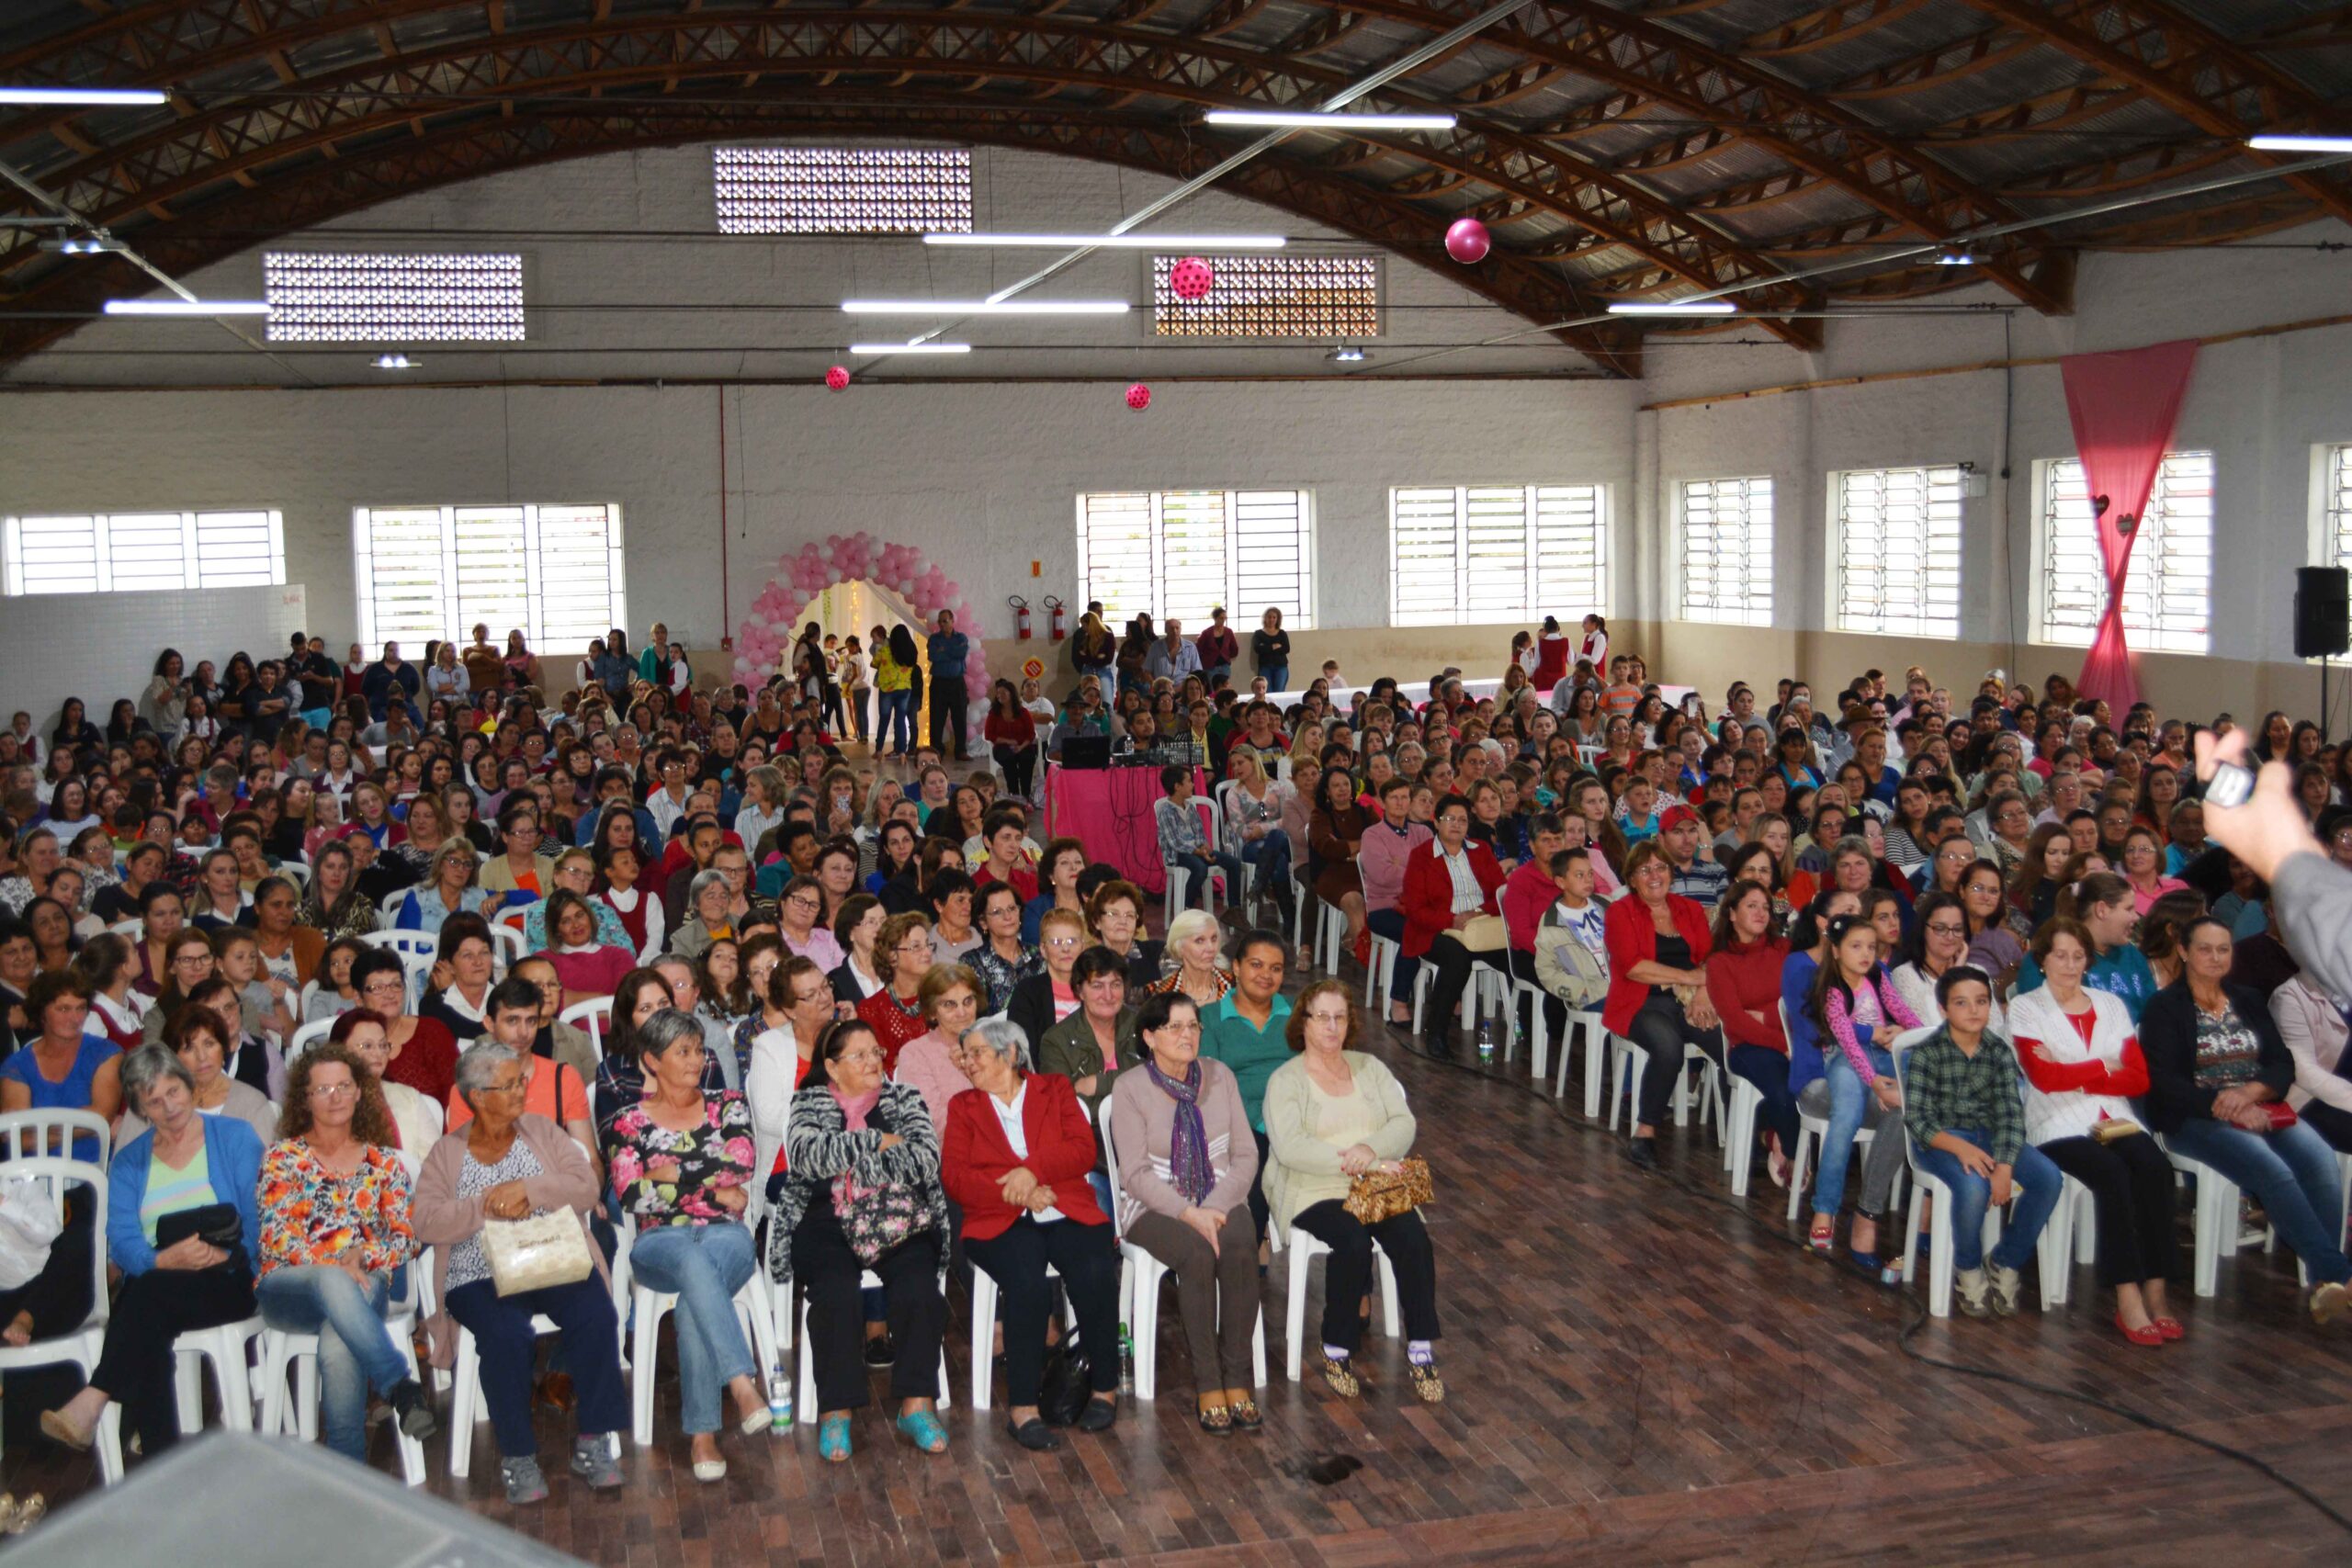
<point x="1057" y="619"/>
<point x="1020" y="615"/>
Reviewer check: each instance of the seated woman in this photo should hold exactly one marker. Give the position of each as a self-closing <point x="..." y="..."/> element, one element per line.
<point x="1058" y="873"/>
<point x="198" y="1039"/>
<point x="334" y="1230"/>
<point x="708" y="895"/>
<point x="622" y="1077"/>
<point x="588" y="967"/>
<point x="784" y="1056"/>
<point x="1995" y="944"/>
<point x="2216" y="1068"/>
<point x="902" y="954"/>
<point x="448" y="889"/>
<point x="1093" y="1044"/>
<point x="933" y="1062"/>
<point x="1186" y="1161"/>
<point x="1016" y="1156"/>
<point x="332" y="904"/>
<point x="2083" y="1067"/>
<point x="416" y="1122"/>
<point x="1842" y="1074"/>
<point x="1336" y="830"/>
<point x="1964" y="1116"/>
<point x="1045" y="996"/>
<point x="62" y="1066"/>
<point x="1334" y="1114"/>
<point x="1451" y="883"/>
<point x="2312" y="1026"/>
<point x="426" y="1054"/>
<point x="1657" y="986"/>
<point x="800" y="922"/>
<point x="2103" y="902"/>
<point x="456" y="993"/>
<point x="1937" y="945"/>
<point x="1001" y="960"/>
<point x="107" y="969"/>
<point x="1114" y="914"/>
<point x="862" y="1193"/>
<point x="681" y="1159"/>
<point x="504" y="1164"/>
<point x="575" y="872"/>
<point x="333" y="995"/>
<point x="1197" y="968"/>
<point x="181" y="1162"/>
<point x="1744" y="982"/>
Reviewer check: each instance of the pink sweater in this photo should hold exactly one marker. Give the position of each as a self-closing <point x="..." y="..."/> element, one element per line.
<point x="1381" y="861"/>
<point x="925" y="1065"/>
<point x="1841" y="1022"/>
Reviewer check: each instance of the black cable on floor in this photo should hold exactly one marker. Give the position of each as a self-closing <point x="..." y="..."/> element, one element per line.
<point x="1904" y="1333"/>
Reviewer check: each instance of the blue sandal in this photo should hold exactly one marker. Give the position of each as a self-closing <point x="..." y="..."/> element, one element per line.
<point x="832" y="1439"/>
<point x="923" y="1428"/>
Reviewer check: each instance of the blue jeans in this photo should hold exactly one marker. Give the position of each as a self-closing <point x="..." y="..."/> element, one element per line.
<point x="1390" y="923"/>
<point x="2038" y="1184"/>
<point x="1199" y="867"/>
<point x="1277" y="677"/>
<point x="703" y="1266"/>
<point x="1851" y="1100"/>
<point x="894" y="720"/>
<point x="2292" y="1174"/>
<point x="355" y="1350"/>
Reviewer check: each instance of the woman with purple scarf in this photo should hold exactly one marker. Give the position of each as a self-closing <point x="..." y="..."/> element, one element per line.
<point x="1186" y="1159"/>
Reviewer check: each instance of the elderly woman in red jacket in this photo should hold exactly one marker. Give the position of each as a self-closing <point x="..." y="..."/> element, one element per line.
<point x="1451" y="921"/>
<point x="1658" y="944"/>
<point x="1015" y="1156"/>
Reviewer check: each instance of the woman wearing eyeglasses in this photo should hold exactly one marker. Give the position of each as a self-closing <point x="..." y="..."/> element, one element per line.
<point x="903" y="956"/>
<point x="1938" y="944"/>
<point x="335" y="1233"/>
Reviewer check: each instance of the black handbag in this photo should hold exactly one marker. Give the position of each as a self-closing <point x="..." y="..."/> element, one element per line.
<point x="215" y="1224"/>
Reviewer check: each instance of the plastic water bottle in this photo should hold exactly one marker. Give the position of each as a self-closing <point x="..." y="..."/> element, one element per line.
<point x="1126" y="1361"/>
<point x="1486" y="1042"/>
<point x="780" y="1399"/>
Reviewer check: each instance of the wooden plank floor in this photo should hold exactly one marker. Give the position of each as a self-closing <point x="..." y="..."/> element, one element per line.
<point x="1639" y="1369"/>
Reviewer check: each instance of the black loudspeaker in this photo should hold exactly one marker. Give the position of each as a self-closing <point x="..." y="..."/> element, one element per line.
<point x="2323" y="612"/>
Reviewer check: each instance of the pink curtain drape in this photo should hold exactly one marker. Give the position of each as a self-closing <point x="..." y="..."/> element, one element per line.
<point x="2123" y="406"/>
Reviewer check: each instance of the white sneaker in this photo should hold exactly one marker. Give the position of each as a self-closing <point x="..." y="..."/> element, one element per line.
<point x="2007" y="1287"/>
<point x="1969" y="1286"/>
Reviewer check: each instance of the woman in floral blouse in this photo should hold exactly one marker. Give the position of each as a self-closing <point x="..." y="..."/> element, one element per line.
<point x="682" y="1162"/>
<point x="334" y="1229"/>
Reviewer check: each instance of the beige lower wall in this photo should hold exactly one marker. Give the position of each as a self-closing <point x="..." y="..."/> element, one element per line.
<point x="1711" y="658"/>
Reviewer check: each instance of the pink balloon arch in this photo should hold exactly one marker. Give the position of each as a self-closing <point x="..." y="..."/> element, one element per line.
<point x="764" y="640"/>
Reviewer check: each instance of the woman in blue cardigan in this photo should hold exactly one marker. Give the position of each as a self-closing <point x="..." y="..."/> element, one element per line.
<point x="186" y="1161"/>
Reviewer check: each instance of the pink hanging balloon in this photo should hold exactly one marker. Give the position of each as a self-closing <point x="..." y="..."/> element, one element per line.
<point x="837" y="376"/>
<point x="1138" y="396"/>
<point x="1467" y="241"/>
<point x="1192" y="278"/>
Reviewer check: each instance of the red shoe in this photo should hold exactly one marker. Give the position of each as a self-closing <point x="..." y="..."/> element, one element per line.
<point x="2169" y="1328"/>
<point x="2150" y="1335"/>
<point x="1363" y="947"/>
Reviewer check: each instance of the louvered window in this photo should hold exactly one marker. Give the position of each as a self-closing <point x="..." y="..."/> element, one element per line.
<point x="1727" y="551"/>
<point x="553" y="572"/>
<point x="124" y="552"/>
<point x="2169" y="583"/>
<point x="1184" y="552"/>
<point x="1496" y="553"/>
<point x="1897" y="561"/>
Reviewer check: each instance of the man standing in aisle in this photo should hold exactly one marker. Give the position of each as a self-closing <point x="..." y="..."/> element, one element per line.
<point x="949" y="649"/>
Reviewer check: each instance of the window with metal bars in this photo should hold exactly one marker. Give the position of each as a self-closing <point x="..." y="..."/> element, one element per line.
<point x="1896" y="568"/>
<point x="341" y="296"/>
<point x="553" y="572"/>
<point x="1184" y="552"/>
<point x="843" y="190"/>
<point x="2168" y="582"/>
<point x="1727" y="551"/>
<point x="123" y="552"/>
<point x="1462" y="553"/>
<point x="1272" y="296"/>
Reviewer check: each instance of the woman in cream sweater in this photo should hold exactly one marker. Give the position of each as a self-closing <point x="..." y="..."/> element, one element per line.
<point x="1331" y="1115"/>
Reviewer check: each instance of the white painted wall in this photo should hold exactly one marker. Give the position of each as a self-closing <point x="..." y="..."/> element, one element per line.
<point x="48" y="651"/>
<point x="984" y="476"/>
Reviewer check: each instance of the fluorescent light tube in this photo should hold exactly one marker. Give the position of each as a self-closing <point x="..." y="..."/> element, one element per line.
<point x="985" y="307"/>
<point x="1117" y="241"/>
<point x="2306" y="143"/>
<point x="910" y="349"/>
<point x="187" y="308"/>
<point x="86" y="96"/>
<point x="1674" y="308"/>
<point x="1341" y="120"/>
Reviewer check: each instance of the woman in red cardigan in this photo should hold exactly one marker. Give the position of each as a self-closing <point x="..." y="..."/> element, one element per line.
<point x="1450" y="882"/>
<point x="1743" y="983"/>
<point x="1016" y="1154"/>
<point x="1657" y="986"/>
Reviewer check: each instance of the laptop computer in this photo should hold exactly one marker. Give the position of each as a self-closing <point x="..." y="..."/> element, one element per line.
<point x="1089" y="753"/>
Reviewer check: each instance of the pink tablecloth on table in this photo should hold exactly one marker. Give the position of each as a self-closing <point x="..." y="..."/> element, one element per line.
<point x="1110" y="811"/>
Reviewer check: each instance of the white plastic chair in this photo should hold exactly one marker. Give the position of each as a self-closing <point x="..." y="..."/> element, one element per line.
<point x="1484" y="993"/>
<point x="1139" y="1283"/>
<point x="1380" y="974"/>
<point x="1596" y="1039"/>
<point x="25" y="1134"/>
<point x="466" y="1406"/>
<point x="592" y="1018"/>
<point x="307" y="1036"/>
<point x="134" y="928"/>
<point x="806" y="1376"/>
<point x="295" y="871"/>
<point x="284" y="1352"/>
<point x="389" y="904"/>
<point x="1176" y="894"/>
<point x="2218" y="1233"/>
<point x="1538" y="1032"/>
<point x="1631" y="1061"/>
<point x="506" y="948"/>
<point x="2051" y="1247"/>
<point x="226" y="1347"/>
<point x="1739" y="1136"/>
<point x="649" y="1306"/>
<point x="1304" y="1249"/>
<point x="984" y="1304"/>
<point x="51" y="1176"/>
